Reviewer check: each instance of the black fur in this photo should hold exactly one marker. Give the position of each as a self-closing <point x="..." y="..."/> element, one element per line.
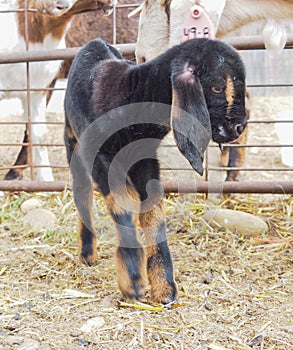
<point x="113" y="106"/>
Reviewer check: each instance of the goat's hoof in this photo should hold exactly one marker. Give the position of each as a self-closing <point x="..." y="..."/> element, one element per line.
<point x="134" y="290"/>
<point x="164" y="293"/>
<point x="132" y="286"/>
<point x="88" y="259"/>
<point x="13" y="174"/>
<point x="131" y="272"/>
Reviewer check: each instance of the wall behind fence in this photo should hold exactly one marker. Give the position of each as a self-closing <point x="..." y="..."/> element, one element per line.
<point x="268" y="73"/>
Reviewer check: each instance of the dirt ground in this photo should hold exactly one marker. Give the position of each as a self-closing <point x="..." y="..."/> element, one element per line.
<point x="235" y="292"/>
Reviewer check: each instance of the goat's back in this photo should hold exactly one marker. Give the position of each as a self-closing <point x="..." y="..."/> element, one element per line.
<point x="82" y="76"/>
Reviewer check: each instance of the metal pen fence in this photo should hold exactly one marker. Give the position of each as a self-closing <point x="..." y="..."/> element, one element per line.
<point x="266" y="175"/>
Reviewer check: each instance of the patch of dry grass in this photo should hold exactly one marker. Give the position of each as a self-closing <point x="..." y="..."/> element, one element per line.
<point x="234" y="292"/>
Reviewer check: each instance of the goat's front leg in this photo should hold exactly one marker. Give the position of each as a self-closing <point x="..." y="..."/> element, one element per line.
<point x="159" y="261"/>
<point x="130" y="258"/>
<point x="146" y="177"/>
<point x="123" y="203"/>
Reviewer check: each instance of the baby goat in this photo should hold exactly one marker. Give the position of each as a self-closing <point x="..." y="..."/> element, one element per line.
<point x="116" y="115"/>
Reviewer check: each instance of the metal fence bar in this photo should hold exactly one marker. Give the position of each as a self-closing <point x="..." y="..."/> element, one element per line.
<point x="165" y="146"/>
<point x="127" y="50"/>
<point x="278" y="187"/>
<point x="29" y="116"/>
<point x="59" y="54"/>
<point x="222" y="168"/>
<point x="18" y="10"/>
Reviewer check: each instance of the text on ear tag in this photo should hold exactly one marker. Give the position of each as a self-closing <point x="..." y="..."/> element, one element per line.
<point x="197" y="25"/>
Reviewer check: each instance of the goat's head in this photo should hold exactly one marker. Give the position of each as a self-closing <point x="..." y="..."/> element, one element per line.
<point x="58" y="8"/>
<point x="208" y="80"/>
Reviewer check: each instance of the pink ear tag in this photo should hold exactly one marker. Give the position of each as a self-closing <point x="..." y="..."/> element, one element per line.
<point x="197" y="25"/>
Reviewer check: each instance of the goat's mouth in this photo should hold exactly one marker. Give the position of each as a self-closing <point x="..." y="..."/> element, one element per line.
<point x="63" y="7"/>
<point x="221" y="147"/>
<point x="219" y="139"/>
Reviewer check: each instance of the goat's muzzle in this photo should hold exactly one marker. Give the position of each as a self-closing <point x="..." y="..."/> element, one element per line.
<point x="228" y="131"/>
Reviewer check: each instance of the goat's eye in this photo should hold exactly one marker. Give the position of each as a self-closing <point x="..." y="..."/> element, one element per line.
<point x="217" y="89"/>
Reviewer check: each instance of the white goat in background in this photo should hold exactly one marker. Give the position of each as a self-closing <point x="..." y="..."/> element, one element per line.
<point x="161" y="21"/>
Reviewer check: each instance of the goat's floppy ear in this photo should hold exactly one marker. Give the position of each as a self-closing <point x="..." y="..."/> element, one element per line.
<point x="190" y="118"/>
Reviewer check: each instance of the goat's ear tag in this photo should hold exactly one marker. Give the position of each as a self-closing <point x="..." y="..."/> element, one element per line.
<point x="197" y="25"/>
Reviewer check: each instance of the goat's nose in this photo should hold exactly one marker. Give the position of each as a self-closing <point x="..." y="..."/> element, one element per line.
<point x="239" y="129"/>
<point x="63" y="4"/>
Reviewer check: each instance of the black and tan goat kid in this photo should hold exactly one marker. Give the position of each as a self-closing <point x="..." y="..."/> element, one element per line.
<point x="117" y="114"/>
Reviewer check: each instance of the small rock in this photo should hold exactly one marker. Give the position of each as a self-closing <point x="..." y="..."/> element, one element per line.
<point x="30" y="204"/>
<point x="29" y="344"/>
<point x="236" y="221"/>
<point x="93" y="324"/>
<point x="40" y="218"/>
<point x="82" y="343"/>
<point x="155" y="337"/>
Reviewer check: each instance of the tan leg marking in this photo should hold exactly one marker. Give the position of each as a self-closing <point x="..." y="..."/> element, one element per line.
<point x="161" y="290"/>
<point x="129" y="288"/>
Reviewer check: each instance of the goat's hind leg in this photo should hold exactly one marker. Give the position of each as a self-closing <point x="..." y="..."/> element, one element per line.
<point x="83" y="197"/>
<point x="123" y="203"/>
<point x="22" y="159"/>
